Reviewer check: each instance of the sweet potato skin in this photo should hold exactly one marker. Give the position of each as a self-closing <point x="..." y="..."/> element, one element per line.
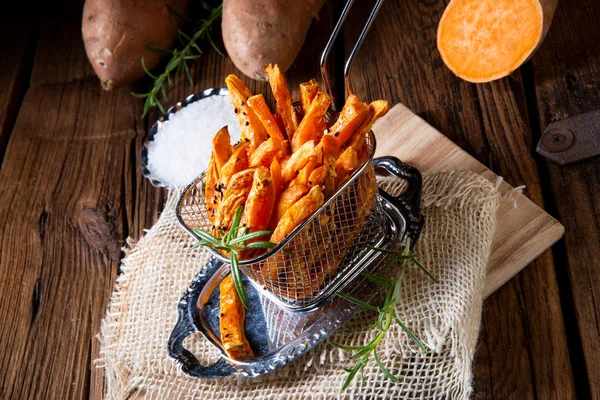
<point x="259" y="32"/>
<point x="115" y="33"/>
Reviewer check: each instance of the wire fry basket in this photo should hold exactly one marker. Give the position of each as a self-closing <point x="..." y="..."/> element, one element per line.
<point x="321" y="253"/>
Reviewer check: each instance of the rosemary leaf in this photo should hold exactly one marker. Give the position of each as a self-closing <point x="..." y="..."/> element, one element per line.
<point x="383" y="369"/>
<point x="146" y="70"/>
<point x="179" y="15"/>
<point x="352" y="373"/>
<point x="344" y="347"/>
<point x="177" y="65"/>
<point x="235" y="224"/>
<point x="358" y="301"/>
<point x="411" y="335"/>
<point x="363" y="352"/>
<point x="208" y="237"/>
<point x="260" y="245"/>
<point x="157" y="49"/>
<point x="248" y="236"/>
<point x="401" y="253"/>
<point x="237" y="280"/>
<point x="429" y="274"/>
<point x="377" y="279"/>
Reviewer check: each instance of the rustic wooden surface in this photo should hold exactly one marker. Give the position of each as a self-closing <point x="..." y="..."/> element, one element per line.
<point x="71" y="190"/>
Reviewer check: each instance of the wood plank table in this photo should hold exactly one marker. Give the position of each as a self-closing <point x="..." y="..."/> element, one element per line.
<point x="71" y="191"/>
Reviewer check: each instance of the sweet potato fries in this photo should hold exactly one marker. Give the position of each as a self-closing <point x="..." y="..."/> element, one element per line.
<point x="285" y="167"/>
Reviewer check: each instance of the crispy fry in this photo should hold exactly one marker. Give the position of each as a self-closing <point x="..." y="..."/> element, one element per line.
<point x="359" y="141"/>
<point x="345" y="165"/>
<point x="276" y="176"/>
<point x="265" y="153"/>
<point x="285" y="150"/>
<point x="298" y="213"/>
<point x="260" y="107"/>
<point x="304" y="173"/>
<point x="353" y="116"/>
<point x="287" y="199"/>
<point x="308" y="91"/>
<point x="359" y="144"/>
<point x="238" y="93"/>
<point x="222" y="147"/>
<point x="312" y="125"/>
<point x="261" y="200"/>
<point x="253" y="130"/>
<point x="236" y="163"/>
<point x="285" y="108"/>
<point x="232" y="316"/>
<point x="210" y="193"/>
<point x="298" y="159"/>
<point x="378" y="109"/>
<point x="318" y="175"/>
<point x="329" y="149"/>
<point x="234" y="196"/>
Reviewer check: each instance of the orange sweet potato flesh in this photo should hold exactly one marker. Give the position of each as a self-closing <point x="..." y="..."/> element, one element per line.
<point x="288" y="197"/>
<point x="353" y="115"/>
<point x="261" y="200"/>
<point x="236" y="163"/>
<point x="116" y="32"/>
<point x="213" y="197"/>
<point x="311" y="127"/>
<point x="265" y="153"/>
<point x="252" y="129"/>
<point x="308" y="91"/>
<point x="345" y="165"/>
<point x="266" y="117"/>
<point x="232" y="316"/>
<point x="221" y="147"/>
<point x="298" y="213"/>
<point x="281" y="92"/>
<point x="234" y="196"/>
<point x="484" y="40"/>
<point x="260" y="32"/>
<point x="297" y="161"/>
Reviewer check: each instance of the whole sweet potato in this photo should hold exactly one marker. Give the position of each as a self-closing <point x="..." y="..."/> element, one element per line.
<point x="261" y="32"/>
<point x="115" y="33"/>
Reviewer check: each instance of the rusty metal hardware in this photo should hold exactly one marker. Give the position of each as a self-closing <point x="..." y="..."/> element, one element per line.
<point x="572" y="139"/>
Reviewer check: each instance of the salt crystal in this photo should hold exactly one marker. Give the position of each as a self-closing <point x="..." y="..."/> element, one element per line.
<point x="182" y="145"/>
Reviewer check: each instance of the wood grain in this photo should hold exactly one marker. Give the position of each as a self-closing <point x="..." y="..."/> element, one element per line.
<point x="63" y="221"/>
<point x="15" y="42"/>
<point x="566" y="74"/>
<point x="399" y="61"/>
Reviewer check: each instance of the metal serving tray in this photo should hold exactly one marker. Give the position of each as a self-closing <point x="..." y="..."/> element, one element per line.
<point x="277" y="335"/>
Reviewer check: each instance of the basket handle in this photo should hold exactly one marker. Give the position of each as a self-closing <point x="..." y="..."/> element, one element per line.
<point x="359" y="41"/>
<point x="409" y="202"/>
<point x="185" y="327"/>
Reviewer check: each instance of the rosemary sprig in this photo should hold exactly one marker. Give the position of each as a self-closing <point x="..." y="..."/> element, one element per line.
<point x="178" y="63"/>
<point x="387" y="314"/>
<point x="232" y="243"/>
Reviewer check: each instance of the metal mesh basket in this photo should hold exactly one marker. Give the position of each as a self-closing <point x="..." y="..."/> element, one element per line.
<point x="323" y="251"/>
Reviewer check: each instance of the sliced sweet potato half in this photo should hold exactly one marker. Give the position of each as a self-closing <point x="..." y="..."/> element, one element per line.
<point x="484" y="40"/>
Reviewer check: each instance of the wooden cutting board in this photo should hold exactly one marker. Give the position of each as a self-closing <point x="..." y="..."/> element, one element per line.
<point x="522" y="233"/>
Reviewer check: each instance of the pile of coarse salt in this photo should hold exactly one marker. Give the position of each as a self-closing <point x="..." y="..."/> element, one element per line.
<point x="182" y="145"/>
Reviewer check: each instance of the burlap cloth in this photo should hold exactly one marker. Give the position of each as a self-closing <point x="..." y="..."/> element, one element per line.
<point x="460" y="209"/>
